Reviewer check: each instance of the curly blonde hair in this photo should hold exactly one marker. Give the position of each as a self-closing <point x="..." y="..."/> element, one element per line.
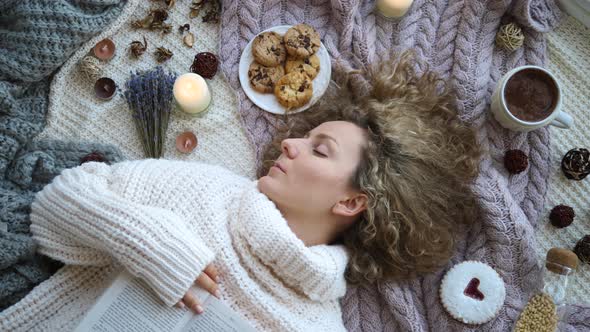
<point x="416" y="168"/>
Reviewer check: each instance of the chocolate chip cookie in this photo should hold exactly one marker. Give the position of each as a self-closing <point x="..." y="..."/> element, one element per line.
<point x="263" y="78"/>
<point x="294" y="90"/>
<point x="309" y="66"/>
<point x="302" y="41"/>
<point x="268" y="49"/>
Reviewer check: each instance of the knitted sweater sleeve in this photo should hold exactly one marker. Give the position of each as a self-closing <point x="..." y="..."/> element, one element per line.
<point x="79" y="219"/>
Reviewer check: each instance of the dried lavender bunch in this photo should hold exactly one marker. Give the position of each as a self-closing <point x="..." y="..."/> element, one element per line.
<point x="149" y="96"/>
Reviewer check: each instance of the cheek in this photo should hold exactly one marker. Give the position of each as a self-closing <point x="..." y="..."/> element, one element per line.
<point x="322" y="176"/>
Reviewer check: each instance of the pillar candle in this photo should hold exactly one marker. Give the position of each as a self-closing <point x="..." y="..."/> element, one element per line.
<point x="191" y="93"/>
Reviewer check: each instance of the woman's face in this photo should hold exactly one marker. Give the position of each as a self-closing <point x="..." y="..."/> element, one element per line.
<point x="313" y="173"/>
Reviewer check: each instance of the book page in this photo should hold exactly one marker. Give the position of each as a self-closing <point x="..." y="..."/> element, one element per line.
<point x="219" y="317"/>
<point x="129" y="305"/>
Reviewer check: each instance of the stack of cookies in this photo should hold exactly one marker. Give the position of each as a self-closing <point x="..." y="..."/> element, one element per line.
<point x="286" y="65"/>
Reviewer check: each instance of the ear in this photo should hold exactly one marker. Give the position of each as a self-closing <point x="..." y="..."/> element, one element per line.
<point x="351" y="206"/>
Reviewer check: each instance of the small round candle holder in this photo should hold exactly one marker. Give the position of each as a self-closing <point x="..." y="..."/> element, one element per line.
<point x="105" y="88"/>
<point x="186" y="142"/>
<point x="104" y="49"/>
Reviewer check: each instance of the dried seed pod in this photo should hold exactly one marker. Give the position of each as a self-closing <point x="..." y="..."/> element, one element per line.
<point x="510" y="37"/>
<point x="163" y="54"/>
<point x="90" y="67"/>
<point x="582" y="249"/>
<point x="137" y="48"/>
<point x="196" y="7"/>
<point x="189" y="39"/>
<point x="185" y="27"/>
<point x="170" y="3"/>
<point x="154" y="21"/>
<point x="211" y="16"/>
<point x="576" y="164"/>
<point x="205" y="64"/>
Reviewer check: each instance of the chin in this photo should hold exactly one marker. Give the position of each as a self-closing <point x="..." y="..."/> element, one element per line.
<point x="270" y="187"/>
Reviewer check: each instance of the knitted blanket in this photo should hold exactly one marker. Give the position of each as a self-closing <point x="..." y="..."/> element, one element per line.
<point x="36" y="37"/>
<point x="457" y="39"/>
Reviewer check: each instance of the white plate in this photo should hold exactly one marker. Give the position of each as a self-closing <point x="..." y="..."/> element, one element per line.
<point x="268" y="101"/>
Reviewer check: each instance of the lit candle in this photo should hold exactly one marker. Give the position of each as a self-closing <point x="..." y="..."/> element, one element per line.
<point x="191" y="93"/>
<point x="394" y="8"/>
<point x="186" y="142"/>
<point x="104" y="49"/>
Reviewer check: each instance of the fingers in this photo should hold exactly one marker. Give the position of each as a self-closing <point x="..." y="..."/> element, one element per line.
<point x="191" y="301"/>
<point x="211" y="271"/>
<point x="180" y="304"/>
<point x="208" y="284"/>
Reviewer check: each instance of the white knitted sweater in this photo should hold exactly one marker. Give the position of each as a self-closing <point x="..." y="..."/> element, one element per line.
<point x="164" y="221"/>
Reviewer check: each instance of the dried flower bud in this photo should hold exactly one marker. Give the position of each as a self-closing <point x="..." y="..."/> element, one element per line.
<point x="170" y="3"/>
<point x="163" y="54"/>
<point x="205" y="64"/>
<point x="562" y="216"/>
<point x="582" y="249"/>
<point x="154" y="21"/>
<point x="576" y="164"/>
<point x="137" y="48"/>
<point x="185" y="27"/>
<point x="196" y="7"/>
<point x="189" y="39"/>
<point x="515" y="161"/>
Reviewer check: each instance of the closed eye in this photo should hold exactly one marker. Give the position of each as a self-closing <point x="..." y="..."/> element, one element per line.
<point x="318" y="153"/>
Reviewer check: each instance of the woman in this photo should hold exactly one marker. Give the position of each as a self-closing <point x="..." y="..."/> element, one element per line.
<point x="359" y="189"/>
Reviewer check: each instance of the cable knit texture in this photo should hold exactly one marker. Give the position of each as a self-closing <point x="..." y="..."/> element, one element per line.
<point x="164" y="221"/>
<point x="457" y="39"/>
<point x="36" y="37"/>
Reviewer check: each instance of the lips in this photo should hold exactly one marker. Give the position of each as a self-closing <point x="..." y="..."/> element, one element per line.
<point x="279" y="166"/>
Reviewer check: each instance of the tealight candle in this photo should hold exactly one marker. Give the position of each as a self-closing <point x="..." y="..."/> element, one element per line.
<point x="394" y="8"/>
<point x="191" y="93"/>
<point x="186" y="142"/>
<point x="104" y="88"/>
<point x="104" y="49"/>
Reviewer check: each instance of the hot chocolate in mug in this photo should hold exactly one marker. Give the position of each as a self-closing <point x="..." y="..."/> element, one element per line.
<point x="527" y="98"/>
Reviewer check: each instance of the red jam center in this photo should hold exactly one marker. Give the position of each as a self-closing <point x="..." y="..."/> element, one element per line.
<point x="472" y="291"/>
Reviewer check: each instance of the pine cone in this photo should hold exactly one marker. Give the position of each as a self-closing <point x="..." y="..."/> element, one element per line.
<point x="576" y="164"/>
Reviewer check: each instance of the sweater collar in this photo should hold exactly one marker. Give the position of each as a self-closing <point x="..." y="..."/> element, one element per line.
<point x="260" y="230"/>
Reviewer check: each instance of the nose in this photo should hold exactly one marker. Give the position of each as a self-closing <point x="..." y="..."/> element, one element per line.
<point x="289" y="148"/>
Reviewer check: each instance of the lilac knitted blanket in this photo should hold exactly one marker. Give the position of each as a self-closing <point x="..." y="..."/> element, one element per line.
<point x="457" y="39"/>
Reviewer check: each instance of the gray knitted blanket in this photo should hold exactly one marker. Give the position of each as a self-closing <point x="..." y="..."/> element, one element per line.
<point x="36" y="37"/>
<point x="456" y="37"/>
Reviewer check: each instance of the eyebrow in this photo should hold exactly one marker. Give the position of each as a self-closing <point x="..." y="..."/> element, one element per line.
<point x="325" y="136"/>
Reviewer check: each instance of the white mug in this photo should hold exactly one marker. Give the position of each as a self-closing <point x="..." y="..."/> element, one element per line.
<point x="501" y="113"/>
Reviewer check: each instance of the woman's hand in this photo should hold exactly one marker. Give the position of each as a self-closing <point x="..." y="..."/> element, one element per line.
<point x="208" y="280"/>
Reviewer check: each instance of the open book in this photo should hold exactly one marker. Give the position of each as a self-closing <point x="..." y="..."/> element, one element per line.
<point x="130" y="305"/>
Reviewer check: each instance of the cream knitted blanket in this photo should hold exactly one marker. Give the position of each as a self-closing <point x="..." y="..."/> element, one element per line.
<point x="75" y="114"/>
<point x="569" y="60"/>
